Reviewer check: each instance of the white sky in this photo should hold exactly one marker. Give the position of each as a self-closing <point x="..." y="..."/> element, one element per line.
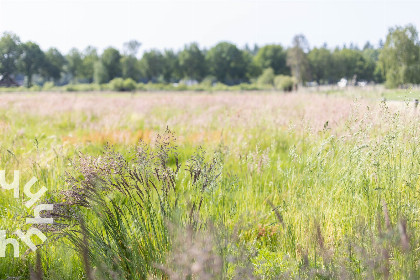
<point x="172" y="23"/>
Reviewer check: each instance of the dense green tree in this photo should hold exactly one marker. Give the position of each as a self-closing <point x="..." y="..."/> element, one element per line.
<point x="192" y="62"/>
<point x="89" y="58"/>
<point x="10" y="51"/>
<point x="400" y="58"/>
<point x="74" y="64"/>
<point x="274" y="57"/>
<point x="130" y="67"/>
<point x="228" y="63"/>
<point x="53" y="65"/>
<point x="372" y="71"/>
<point x="253" y="70"/>
<point x="397" y="60"/>
<point x="327" y="67"/>
<point x="350" y="63"/>
<point x="152" y="65"/>
<point x="31" y="60"/>
<point x="171" y="69"/>
<point x="371" y="54"/>
<point x="111" y="61"/>
<point x="297" y="59"/>
<point x="100" y="73"/>
<point x="129" y="62"/>
<point x="321" y="65"/>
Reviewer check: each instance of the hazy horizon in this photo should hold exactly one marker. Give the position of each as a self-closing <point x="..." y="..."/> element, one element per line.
<point x="172" y="24"/>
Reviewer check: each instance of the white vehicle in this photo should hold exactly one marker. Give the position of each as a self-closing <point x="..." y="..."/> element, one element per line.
<point x="342" y="83"/>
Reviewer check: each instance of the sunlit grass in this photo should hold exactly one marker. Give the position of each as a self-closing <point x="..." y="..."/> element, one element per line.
<point x="328" y="163"/>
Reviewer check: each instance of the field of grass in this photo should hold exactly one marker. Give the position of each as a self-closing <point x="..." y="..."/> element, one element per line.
<point x="256" y="185"/>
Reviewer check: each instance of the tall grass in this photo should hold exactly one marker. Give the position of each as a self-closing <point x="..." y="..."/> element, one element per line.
<point x="124" y="202"/>
<point x="298" y="186"/>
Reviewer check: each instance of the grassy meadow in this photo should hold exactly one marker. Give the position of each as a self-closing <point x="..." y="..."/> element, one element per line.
<point x="222" y="185"/>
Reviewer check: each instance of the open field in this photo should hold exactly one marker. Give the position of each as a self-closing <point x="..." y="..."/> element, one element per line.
<point x="292" y="186"/>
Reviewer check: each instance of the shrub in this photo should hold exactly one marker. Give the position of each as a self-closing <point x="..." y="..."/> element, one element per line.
<point x="208" y="82"/>
<point x="155" y="86"/>
<point x="70" y="88"/>
<point x="266" y="78"/>
<point x="35" y="88"/>
<point x="48" y="86"/>
<point x="117" y="84"/>
<point x="220" y="86"/>
<point x="283" y="82"/>
<point x="246" y="86"/>
<point x="141" y="86"/>
<point x="181" y="87"/>
<point x="105" y="87"/>
<point x="82" y="87"/>
<point x="129" y="84"/>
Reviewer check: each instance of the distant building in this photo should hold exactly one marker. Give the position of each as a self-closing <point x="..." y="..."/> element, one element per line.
<point x="7" y="81"/>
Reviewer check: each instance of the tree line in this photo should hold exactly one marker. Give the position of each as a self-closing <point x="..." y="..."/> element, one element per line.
<point x="396" y="62"/>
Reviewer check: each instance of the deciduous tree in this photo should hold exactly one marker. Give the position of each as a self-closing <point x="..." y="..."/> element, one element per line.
<point x="111" y="62"/>
<point x="274" y="57"/>
<point x="31" y="61"/>
<point x="74" y="64"/>
<point x="89" y="58"/>
<point x="129" y="62"/>
<point x="10" y="51"/>
<point x="53" y="65"/>
<point x="400" y="58"/>
<point x="228" y="63"/>
<point x="321" y="64"/>
<point x="297" y="59"/>
<point x="152" y="65"/>
<point x="192" y="62"/>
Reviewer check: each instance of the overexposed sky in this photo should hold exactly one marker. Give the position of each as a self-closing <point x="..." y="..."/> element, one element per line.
<point x="172" y="23"/>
